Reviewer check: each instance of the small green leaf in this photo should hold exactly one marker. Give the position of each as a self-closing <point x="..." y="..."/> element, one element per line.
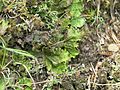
<point x="48" y="64"/>
<point x="60" y="68"/>
<point x="3" y="26"/>
<point x="65" y="23"/>
<point x="26" y="81"/>
<point x="73" y="52"/>
<point x="1" y="6"/>
<point x="2" y="84"/>
<point x="78" y="22"/>
<point x="73" y="35"/>
<point x="28" y="88"/>
<point x="76" y="9"/>
<point x="56" y="61"/>
<point x="21" y="52"/>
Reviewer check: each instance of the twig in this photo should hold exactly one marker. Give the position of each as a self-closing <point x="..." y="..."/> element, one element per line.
<point x="29" y="74"/>
<point x="38" y="82"/>
<point x="57" y="43"/>
<point x="13" y="86"/>
<point x="98" y="8"/>
<point x="88" y="83"/>
<point x="112" y="5"/>
<point x="7" y="64"/>
<point x="107" y="84"/>
<point x="94" y="75"/>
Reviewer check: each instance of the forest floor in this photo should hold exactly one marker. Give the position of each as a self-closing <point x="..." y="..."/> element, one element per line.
<point x="97" y="65"/>
<point x="43" y="30"/>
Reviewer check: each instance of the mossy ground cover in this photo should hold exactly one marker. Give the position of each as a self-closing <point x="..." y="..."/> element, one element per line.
<point x="59" y="44"/>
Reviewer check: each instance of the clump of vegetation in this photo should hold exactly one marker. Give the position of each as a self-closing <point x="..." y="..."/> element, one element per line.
<point x="32" y="29"/>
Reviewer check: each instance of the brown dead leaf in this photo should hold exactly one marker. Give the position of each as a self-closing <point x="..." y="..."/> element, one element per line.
<point x="105" y="53"/>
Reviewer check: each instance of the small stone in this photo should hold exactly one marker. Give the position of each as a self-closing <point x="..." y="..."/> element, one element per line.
<point x="113" y="48"/>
